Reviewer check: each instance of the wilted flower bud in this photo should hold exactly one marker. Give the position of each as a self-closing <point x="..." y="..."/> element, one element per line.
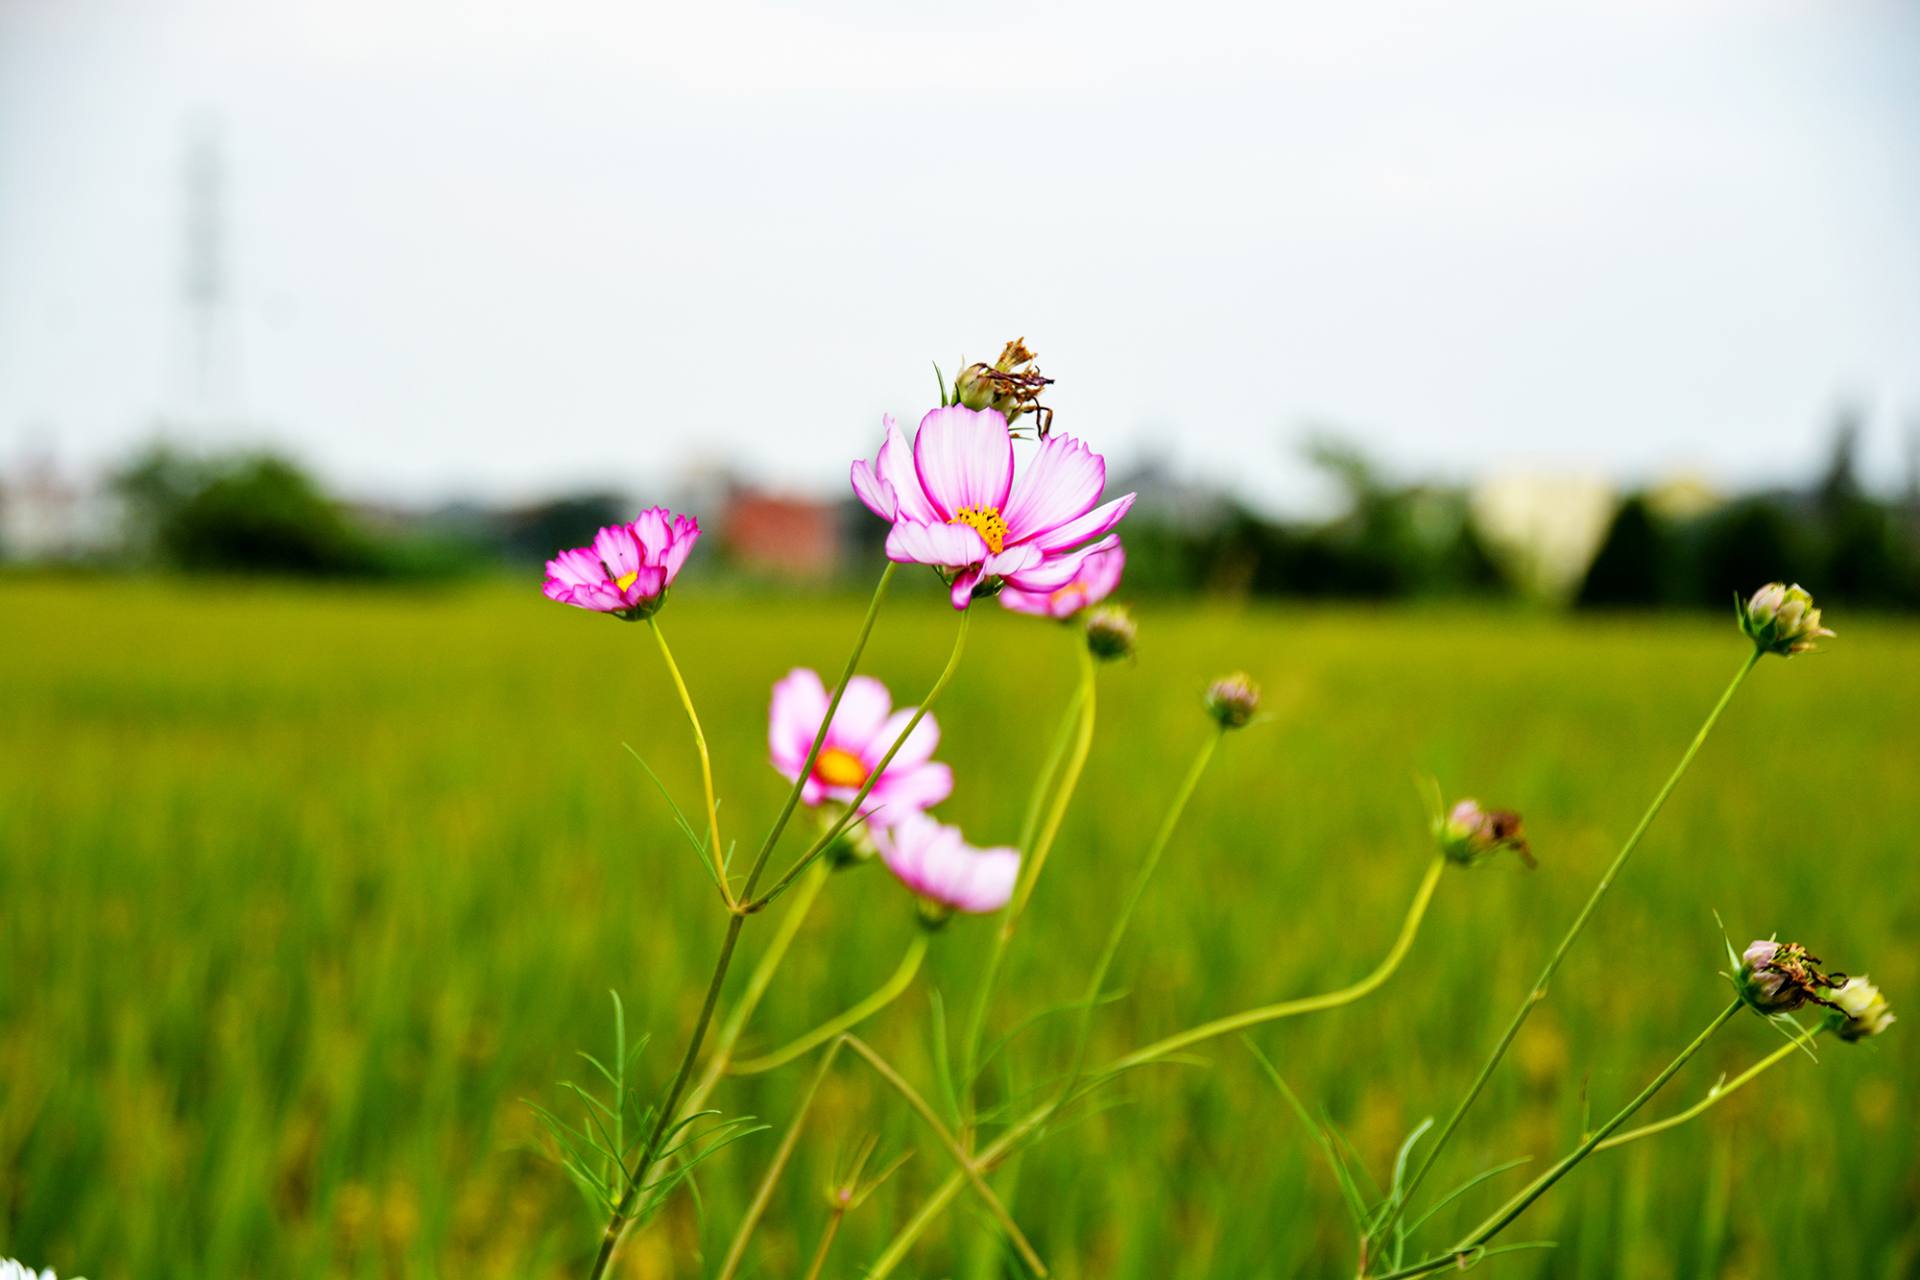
<point x="1232" y="700"/>
<point x="1779" y="977"/>
<point x="1111" y="632"/>
<point x="1860" y="1010"/>
<point x="1010" y="385"/>
<point x="1468" y="833"/>
<point x="1780" y="619"/>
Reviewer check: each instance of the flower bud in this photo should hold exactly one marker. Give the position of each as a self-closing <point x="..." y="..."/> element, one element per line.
<point x="1779" y="977"/>
<point x="1111" y="632"/>
<point x="1860" y="1010"/>
<point x="1010" y="385"/>
<point x="1780" y="619"/>
<point x="1233" y="700"/>
<point x="1470" y="834"/>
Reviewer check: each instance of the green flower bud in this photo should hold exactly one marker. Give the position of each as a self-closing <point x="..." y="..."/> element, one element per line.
<point x="1860" y="1011"/>
<point x="1233" y="700"/>
<point x="1111" y="632"/>
<point x="1780" y="619"/>
<point x="1469" y="834"/>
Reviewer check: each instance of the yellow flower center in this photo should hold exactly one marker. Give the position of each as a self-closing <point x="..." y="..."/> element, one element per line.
<point x="626" y="580"/>
<point x="987" y="522"/>
<point x="838" y="768"/>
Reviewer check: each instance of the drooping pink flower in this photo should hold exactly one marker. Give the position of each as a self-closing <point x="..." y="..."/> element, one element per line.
<point x="627" y="570"/>
<point x="934" y="861"/>
<point x="955" y="503"/>
<point x="864" y="727"/>
<point x="1098" y="575"/>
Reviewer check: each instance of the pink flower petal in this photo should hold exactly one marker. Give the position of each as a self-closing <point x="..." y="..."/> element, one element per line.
<point x="944" y="545"/>
<point x="917" y="749"/>
<point x="1061" y="482"/>
<point x="1091" y="525"/>
<point x="964" y="458"/>
<point x="648" y="582"/>
<point x="650" y="529"/>
<point x="799" y="705"/>
<point x="875" y="492"/>
<point x="617" y="550"/>
<point x="903" y="791"/>
<point x="964" y="582"/>
<point x="856" y="721"/>
<point x="680" y="548"/>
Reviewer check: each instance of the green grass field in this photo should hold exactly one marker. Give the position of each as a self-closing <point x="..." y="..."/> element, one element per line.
<point x="303" y="892"/>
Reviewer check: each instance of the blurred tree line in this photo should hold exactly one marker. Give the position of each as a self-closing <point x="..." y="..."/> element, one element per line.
<point x="258" y="512"/>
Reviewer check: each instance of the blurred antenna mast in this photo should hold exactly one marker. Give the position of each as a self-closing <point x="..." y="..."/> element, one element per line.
<point x="212" y="348"/>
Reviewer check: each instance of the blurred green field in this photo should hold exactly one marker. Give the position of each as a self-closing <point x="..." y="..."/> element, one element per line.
<point x="303" y="891"/>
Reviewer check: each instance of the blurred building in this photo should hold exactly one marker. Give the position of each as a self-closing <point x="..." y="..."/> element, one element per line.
<point x="782" y="537"/>
<point x="47" y="516"/>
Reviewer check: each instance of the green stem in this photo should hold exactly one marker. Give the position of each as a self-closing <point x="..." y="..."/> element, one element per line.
<point x="763" y="1194"/>
<point x="853" y="813"/>
<point x="1003" y="1146"/>
<point x="1145" y="875"/>
<point x="1036" y="842"/>
<point x="1717" y="1094"/>
<point x="1538" y="991"/>
<point x="880" y="999"/>
<point x="1504" y="1216"/>
<point x="720" y="1061"/>
<point x="706" y="762"/>
<point x="967" y="1167"/>
<point x="620" y="1219"/>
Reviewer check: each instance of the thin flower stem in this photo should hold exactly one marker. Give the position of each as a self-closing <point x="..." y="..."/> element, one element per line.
<point x="1504" y="1216"/>
<point x="1717" y="1094"/>
<point x="887" y="993"/>
<point x="1141" y="880"/>
<point x="751" y="904"/>
<point x="620" y="1219"/>
<point x="1306" y="1004"/>
<point x="819" y="738"/>
<point x="967" y="1167"/>
<point x="763" y="1194"/>
<point x="720" y="1061"/>
<point x="1000" y="1148"/>
<point x="706" y="763"/>
<point x="1538" y="991"/>
<point x="826" y="1243"/>
<point x="1036" y="843"/>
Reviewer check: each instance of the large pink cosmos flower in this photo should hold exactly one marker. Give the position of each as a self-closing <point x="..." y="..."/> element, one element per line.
<point x="955" y="504"/>
<point x="935" y="862"/>
<point x="628" y="568"/>
<point x="1098" y="575"/>
<point x="864" y="727"/>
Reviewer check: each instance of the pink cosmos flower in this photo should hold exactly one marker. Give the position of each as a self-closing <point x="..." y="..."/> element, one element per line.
<point x="955" y="504"/>
<point x="627" y="570"/>
<point x="1098" y="575"/>
<point x="934" y="861"/>
<point x="864" y="727"/>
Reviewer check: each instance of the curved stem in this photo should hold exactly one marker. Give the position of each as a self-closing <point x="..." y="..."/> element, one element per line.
<point x="751" y="904"/>
<point x="1717" y="1094"/>
<point x="1145" y="876"/>
<point x="1036" y="842"/>
<point x="706" y="762"/>
<point x="851" y="1018"/>
<point x="1003" y="1146"/>
<point x="1538" y="991"/>
<point x="1305" y="1004"/>
<point x="1504" y="1216"/>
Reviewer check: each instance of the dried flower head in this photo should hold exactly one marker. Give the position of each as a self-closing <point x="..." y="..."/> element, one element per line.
<point x="1779" y="977"/>
<point x="1468" y="833"/>
<point x="1860" y="1011"/>
<point x="1233" y="700"/>
<point x="1010" y="385"/>
<point x="1111" y="632"/>
<point x="1780" y="619"/>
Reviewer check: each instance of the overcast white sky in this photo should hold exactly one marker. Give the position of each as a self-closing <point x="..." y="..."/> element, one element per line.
<point x="500" y="249"/>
